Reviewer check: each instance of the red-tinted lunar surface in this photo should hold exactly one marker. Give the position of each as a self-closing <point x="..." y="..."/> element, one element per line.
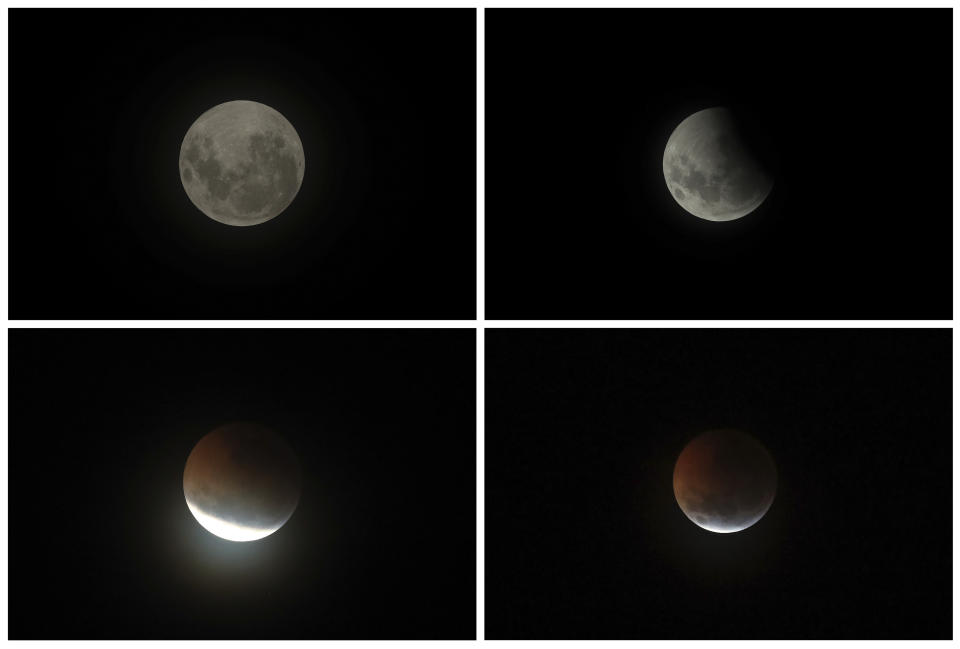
<point x="724" y="481"/>
<point x="242" y="482"/>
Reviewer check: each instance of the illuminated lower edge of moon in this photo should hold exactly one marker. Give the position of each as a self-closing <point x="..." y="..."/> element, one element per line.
<point x="727" y="529"/>
<point x="228" y="529"/>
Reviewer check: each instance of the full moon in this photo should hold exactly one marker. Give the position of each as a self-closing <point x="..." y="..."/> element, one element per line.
<point x="241" y="482"/>
<point x="710" y="170"/>
<point x="724" y="481"/>
<point x="241" y="163"/>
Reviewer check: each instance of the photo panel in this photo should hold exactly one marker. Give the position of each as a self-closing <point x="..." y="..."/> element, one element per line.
<point x="718" y="164"/>
<point x="301" y="484"/>
<point x="718" y="484"/>
<point x="252" y="164"/>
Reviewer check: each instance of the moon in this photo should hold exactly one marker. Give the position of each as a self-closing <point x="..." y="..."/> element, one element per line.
<point x="710" y="170"/>
<point x="724" y="481"/>
<point x="241" y="163"/>
<point x="241" y="482"/>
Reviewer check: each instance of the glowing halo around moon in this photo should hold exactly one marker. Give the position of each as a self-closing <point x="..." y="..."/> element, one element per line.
<point x="724" y="481"/>
<point x="241" y="482"/>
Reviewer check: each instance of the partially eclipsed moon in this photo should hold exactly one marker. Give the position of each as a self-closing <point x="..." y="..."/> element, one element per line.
<point x="241" y="482"/>
<point x="241" y="163"/>
<point x="724" y="481"/>
<point x="709" y="169"/>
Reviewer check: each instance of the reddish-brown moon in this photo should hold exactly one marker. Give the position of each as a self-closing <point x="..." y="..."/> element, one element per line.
<point x="724" y="480"/>
<point x="242" y="482"/>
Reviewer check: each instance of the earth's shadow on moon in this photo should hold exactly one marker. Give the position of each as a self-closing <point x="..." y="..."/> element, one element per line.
<point x="725" y="480"/>
<point x="242" y="481"/>
<point x="711" y="169"/>
<point x="706" y="559"/>
<point x="656" y="212"/>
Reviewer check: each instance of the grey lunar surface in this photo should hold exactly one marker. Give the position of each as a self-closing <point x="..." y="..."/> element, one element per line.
<point x="241" y="163"/>
<point x="710" y="172"/>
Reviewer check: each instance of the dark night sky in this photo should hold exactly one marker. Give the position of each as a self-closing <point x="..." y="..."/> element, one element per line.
<point x="852" y="108"/>
<point x="381" y="546"/>
<point x="384" y="225"/>
<point x="584" y="538"/>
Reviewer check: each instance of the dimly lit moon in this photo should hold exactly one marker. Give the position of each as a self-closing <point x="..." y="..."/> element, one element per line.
<point x="241" y="163"/>
<point x="710" y="170"/>
<point x="724" y="481"/>
<point x="241" y="482"/>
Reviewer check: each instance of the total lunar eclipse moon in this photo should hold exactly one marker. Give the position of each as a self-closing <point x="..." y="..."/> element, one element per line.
<point x="724" y="481"/>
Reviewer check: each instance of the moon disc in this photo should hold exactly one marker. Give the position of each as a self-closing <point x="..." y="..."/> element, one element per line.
<point x="710" y="170"/>
<point x="241" y="482"/>
<point x="241" y="163"/>
<point x="724" y="481"/>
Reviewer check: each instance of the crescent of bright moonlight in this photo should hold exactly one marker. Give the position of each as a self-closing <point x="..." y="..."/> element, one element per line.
<point x="709" y="169"/>
<point x="241" y="482"/>
<point x="241" y="163"/>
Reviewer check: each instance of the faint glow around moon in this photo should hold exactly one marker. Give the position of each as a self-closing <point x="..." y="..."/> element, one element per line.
<point x="226" y="529"/>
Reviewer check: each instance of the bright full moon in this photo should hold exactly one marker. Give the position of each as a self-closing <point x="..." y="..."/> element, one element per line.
<point x="241" y="163"/>
<point x="241" y="482"/>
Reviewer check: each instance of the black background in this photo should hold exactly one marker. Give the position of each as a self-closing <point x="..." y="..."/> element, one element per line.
<point x="584" y="538"/>
<point x="383" y="227"/>
<point x="382" y="544"/>
<point x="851" y="108"/>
